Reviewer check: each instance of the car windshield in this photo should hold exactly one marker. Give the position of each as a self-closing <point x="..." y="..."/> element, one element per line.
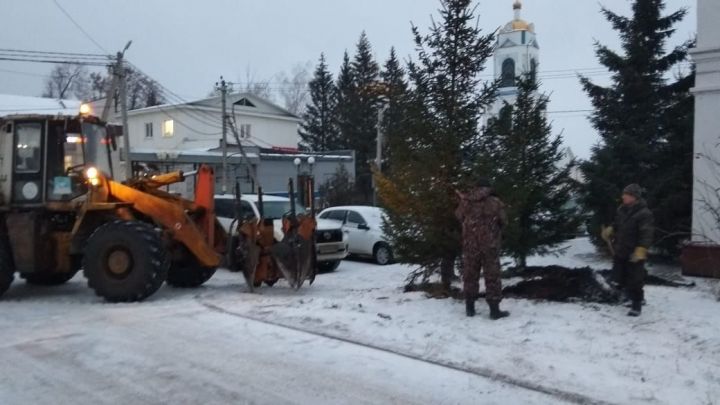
<point x="276" y="209"/>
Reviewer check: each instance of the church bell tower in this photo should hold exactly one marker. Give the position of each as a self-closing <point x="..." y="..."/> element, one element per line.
<point x="516" y="53"/>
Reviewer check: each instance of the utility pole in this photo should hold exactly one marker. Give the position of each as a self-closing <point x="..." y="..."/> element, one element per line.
<point x="379" y="148"/>
<point x="122" y="76"/>
<point x="222" y="86"/>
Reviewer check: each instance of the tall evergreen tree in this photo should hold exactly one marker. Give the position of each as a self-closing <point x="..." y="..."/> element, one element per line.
<point x="319" y="128"/>
<point x="395" y="88"/>
<point x="636" y="117"/>
<point x="529" y="170"/>
<point x="345" y="94"/>
<point x="363" y="105"/>
<point x="442" y="115"/>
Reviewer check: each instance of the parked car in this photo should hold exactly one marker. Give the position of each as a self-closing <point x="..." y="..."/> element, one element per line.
<point x="331" y="242"/>
<point x="364" y="228"/>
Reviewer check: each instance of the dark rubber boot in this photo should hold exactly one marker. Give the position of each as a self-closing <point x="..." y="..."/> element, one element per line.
<point x="469" y="307"/>
<point x="636" y="308"/>
<point x="495" y="312"/>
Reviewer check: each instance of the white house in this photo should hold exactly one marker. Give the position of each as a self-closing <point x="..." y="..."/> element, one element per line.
<point x="171" y="127"/>
<point x="181" y="136"/>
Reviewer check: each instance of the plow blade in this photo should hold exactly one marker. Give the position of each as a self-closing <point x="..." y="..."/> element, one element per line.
<point x="294" y="259"/>
<point x="251" y="258"/>
<point x="248" y="252"/>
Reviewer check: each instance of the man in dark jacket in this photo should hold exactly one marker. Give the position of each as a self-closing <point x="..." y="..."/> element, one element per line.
<point x="631" y="236"/>
<point x="482" y="215"/>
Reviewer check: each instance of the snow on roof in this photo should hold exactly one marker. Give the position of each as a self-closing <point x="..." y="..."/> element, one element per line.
<point x="305" y="156"/>
<point x="23" y="105"/>
<point x="188" y="152"/>
<point x="253" y="197"/>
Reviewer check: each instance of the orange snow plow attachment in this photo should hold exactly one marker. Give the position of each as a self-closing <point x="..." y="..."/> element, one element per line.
<point x="265" y="260"/>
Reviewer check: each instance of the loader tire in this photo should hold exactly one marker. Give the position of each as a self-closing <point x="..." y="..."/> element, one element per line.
<point x="47" y="279"/>
<point x="189" y="274"/>
<point x="7" y="268"/>
<point x="125" y="261"/>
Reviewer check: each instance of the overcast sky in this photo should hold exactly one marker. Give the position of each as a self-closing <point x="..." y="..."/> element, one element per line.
<point x="186" y="45"/>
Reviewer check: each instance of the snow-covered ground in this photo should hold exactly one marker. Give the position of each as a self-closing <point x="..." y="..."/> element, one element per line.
<point x="220" y="344"/>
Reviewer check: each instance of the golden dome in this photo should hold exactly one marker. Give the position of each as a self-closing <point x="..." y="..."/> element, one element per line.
<point x="520" y="25"/>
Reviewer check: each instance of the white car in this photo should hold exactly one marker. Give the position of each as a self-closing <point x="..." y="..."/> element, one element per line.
<point x="364" y="228"/>
<point x="331" y="243"/>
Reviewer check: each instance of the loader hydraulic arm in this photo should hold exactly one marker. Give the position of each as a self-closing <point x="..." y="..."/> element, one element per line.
<point x="198" y="233"/>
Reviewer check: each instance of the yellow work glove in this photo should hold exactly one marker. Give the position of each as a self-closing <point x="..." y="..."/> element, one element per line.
<point x="639" y="255"/>
<point x="606" y="233"/>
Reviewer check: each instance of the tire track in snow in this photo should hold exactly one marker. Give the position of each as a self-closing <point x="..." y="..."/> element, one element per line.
<point x="483" y="372"/>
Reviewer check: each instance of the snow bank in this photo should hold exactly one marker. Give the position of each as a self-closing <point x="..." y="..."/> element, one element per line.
<point x="669" y="355"/>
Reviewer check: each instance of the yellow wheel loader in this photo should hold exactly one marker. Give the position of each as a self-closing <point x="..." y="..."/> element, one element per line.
<point x="60" y="211"/>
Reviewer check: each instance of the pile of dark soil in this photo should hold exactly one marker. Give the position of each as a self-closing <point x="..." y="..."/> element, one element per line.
<point x="553" y="283"/>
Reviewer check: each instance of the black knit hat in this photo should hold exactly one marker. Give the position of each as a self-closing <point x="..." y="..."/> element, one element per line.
<point x="634" y="190"/>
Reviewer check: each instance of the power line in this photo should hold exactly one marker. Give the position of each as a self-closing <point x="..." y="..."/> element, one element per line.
<point x="55" y="54"/>
<point x="17" y="72"/>
<point x="56" y="61"/>
<point x="87" y="35"/>
<point x="162" y="88"/>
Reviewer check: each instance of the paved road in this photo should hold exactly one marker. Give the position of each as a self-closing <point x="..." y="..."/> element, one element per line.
<point x="64" y="346"/>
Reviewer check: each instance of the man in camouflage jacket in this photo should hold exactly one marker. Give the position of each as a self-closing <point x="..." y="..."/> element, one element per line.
<point x="630" y="237"/>
<point x="482" y="215"/>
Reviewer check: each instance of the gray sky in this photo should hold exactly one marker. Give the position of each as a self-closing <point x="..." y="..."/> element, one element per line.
<point x="186" y="45"/>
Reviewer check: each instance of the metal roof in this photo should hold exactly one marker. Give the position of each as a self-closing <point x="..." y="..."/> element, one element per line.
<point x="12" y="105"/>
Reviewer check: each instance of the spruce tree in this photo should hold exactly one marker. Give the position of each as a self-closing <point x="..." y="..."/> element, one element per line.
<point x="442" y="115"/>
<point x="527" y="167"/>
<point x="338" y="189"/>
<point x="637" y="117"/>
<point x="363" y="115"/>
<point x="319" y="128"/>
<point x="395" y="88"/>
<point x="345" y="94"/>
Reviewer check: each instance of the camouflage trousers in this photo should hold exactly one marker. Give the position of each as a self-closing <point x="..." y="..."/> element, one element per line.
<point x="486" y="261"/>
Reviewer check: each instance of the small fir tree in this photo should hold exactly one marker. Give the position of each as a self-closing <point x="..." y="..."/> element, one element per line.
<point x="441" y="114"/>
<point x="526" y="165"/>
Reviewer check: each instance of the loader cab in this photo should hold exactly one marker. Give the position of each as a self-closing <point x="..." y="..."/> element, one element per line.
<point x="44" y="158"/>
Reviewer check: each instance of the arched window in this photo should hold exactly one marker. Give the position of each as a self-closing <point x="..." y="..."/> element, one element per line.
<point x="533" y="69"/>
<point x="508" y="73"/>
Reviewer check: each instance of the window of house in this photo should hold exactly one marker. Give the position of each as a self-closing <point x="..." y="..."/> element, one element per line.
<point x="168" y="128"/>
<point x="245" y="131"/>
<point x="149" y="130"/>
<point x="244" y="103"/>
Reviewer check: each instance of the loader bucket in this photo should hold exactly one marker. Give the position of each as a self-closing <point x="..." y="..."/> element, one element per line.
<point x="248" y="252"/>
<point x="294" y="255"/>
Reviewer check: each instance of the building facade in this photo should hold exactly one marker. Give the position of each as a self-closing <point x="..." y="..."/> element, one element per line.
<point x="706" y="197"/>
<point x="182" y="136"/>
